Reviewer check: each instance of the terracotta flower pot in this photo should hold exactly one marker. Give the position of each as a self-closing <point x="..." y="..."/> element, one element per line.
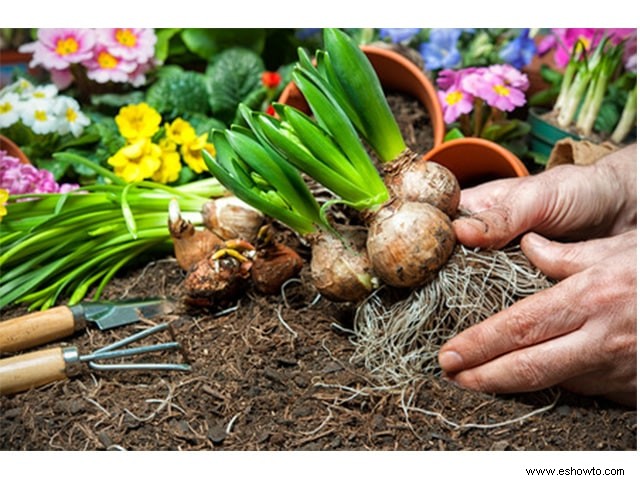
<point x="12" y="149"/>
<point x="476" y="160"/>
<point x="396" y="73"/>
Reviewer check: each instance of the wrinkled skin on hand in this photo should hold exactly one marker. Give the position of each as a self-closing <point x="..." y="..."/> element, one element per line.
<point x="578" y="225"/>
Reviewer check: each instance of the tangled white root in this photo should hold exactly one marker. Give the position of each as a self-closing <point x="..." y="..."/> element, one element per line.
<point x="398" y="340"/>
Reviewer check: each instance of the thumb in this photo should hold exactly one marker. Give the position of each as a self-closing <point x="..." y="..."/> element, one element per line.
<point x="560" y="260"/>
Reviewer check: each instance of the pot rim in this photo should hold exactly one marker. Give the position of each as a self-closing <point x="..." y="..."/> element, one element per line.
<point x="12" y="149"/>
<point x="515" y="164"/>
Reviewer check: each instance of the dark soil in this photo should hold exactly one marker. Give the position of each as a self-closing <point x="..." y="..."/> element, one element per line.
<point x="274" y="372"/>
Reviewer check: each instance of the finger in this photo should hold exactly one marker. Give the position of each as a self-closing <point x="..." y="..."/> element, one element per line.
<point x="530" y="369"/>
<point x="560" y="260"/>
<point x="491" y="228"/>
<point x="527" y="322"/>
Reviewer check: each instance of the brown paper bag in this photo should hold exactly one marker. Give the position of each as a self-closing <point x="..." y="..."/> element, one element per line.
<point x="578" y="152"/>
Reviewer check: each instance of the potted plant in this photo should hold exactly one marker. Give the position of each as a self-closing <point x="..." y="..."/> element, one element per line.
<point x="595" y="95"/>
<point x="482" y="137"/>
<point x="396" y="73"/>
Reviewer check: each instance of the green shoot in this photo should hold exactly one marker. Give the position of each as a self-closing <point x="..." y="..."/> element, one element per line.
<point x="261" y="177"/>
<point x="628" y="117"/>
<point x="66" y="244"/>
<point x="345" y="75"/>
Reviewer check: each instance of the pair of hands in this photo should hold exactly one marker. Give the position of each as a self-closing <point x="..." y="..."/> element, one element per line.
<point x="580" y="333"/>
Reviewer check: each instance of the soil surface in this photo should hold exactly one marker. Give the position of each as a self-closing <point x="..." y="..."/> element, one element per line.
<point x="275" y="372"/>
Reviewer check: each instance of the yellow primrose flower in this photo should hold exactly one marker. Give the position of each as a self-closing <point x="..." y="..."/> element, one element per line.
<point x="138" y="121"/>
<point x="136" y="161"/>
<point x="4" y="196"/>
<point x="169" y="170"/>
<point x="192" y="153"/>
<point x="180" y="131"/>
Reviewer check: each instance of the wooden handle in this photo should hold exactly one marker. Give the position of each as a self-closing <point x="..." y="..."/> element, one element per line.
<point x="35" y="329"/>
<point x="23" y="372"/>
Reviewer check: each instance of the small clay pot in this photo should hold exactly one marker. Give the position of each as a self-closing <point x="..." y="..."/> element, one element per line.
<point x="476" y="160"/>
<point x="13" y="150"/>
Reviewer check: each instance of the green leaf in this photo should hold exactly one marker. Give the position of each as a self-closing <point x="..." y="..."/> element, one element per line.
<point x="232" y="78"/>
<point x="179" y="93"/>
<point x="453" y="134"/>
<point x="361" y="84"/>
<point x="207" y="42"/>
<point x="163" y="37"/>
<point x="225" y="154"/>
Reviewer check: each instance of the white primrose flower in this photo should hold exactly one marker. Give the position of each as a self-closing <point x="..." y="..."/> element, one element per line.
<point x="20" y="86"/>
<point x="41" y="92"/>
<point x="39" y="116"/>
<point x="10" y="107"/>
<point x="70" y="118"/>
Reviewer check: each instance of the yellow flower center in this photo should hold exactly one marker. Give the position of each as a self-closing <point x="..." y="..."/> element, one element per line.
<point x="66" y="46"/>
<point x="501" y="90"/>
<point x="5" y="107"/>
<point x="39" y="95"/>
<point x="126" y="37"/>
<point x="40" y="115"/>
<point x="107" y="61"/>
<point x="584" y="43"/>
<point x="71" y="115"/>
<point x="453" y="97"/>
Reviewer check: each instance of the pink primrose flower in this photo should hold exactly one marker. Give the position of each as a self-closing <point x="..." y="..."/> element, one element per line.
<point x="499" y="94"/>
<point x="511" y="75"/>
<point x="105" y="67"/>
<point x="564" y="39"/>
<point x="137" y="78"/>
<point x="447" y="78"/>
<point x="58" y="48"/>
<point x="130" y="44"/>
<point x="61" y="78"/>
<point x="455" y="102"/>
<point x="19" y="178"/>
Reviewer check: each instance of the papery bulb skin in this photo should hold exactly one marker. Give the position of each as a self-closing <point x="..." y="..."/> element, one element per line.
<point x="408" y="242"/>
<point x="190" y="245"/>
<point x="340" y="269"/>
<point x="273" y="265"/>
<point x="426" y="182"/>
<point x="230" y="218"/>
<point x="216" y="281"/>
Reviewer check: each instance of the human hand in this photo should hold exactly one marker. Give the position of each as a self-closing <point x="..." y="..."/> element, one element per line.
<point x="579" y="334"/>
<point x="565" y="202"/>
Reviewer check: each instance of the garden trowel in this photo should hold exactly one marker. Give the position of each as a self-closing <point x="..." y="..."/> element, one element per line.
<point x="38" y="328"/>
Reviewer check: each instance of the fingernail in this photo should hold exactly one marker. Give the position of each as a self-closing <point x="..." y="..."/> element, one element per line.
<point x="450" y="361"/>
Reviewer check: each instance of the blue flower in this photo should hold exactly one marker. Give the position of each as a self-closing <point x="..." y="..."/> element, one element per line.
<point x="441" y="51"/>
<point x="520" y="51"/>
<point x="305" y="33"/>
<point x="398" y="35"/>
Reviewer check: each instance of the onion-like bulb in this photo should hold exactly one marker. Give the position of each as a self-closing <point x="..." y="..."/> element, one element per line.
<point x="216" y="280"/>
<point x="408" y="242"/>
<point x="426" y="182"/>
<point x="340" y="268"/>
<point x="190" y="245"/>
<point x="230" y="218"/>
<point x="273" y="265"/>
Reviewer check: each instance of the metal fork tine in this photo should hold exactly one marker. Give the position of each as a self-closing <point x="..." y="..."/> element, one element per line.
<point x="128" y="352"/>
<point x="182" y="367"/>
<point x="113" y="350"/>
<point x="134" y="337"/>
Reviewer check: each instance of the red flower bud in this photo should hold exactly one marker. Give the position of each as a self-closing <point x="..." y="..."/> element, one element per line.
<point x="270" y="79"/>
<point x="270" y="111"/>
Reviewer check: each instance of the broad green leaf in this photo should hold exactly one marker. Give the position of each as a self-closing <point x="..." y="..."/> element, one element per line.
<point x="232" y="78"/>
